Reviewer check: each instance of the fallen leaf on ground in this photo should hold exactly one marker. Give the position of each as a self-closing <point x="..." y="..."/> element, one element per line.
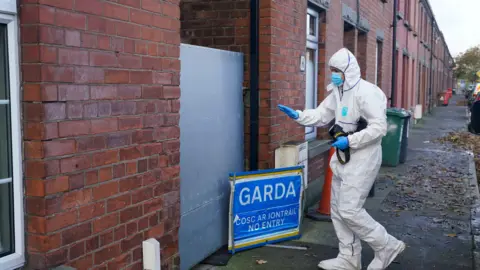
<point x="452" y="235"/>
<point x="261" y="262"/>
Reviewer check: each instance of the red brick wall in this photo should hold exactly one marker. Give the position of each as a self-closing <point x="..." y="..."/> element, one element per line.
<point x="281" y="44"/>
<point x="225" y="25"/>
<point x="334" y="32"/>
<point x="283" y="41"/>
<point x="216" y="24"/>
<point x="316" y="167"/>
<point x="101" y="135"/>
<point x="379" y="16"/>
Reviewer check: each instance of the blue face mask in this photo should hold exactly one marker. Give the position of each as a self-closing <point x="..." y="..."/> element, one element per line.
<point x="337" y="78"/>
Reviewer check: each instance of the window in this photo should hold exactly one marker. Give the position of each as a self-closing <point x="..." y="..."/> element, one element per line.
<point x="312" y="25"/>
<point x="407" y="10"/>
<point x="412" y="86"/>
<point x="419" y="82"/>
<point x="6" y="228"/>
<point x="378" y="63"/>
<point x="420" y="26"/>
<point x="377" y="66"/>
<point x="405" y="73"/>
<point x="362" y="48"/>
<point x="349" y="37"/>
<point x="311" y="69"/>
<point x="396" y="94"/>
<point x="427" y="30"/>
<point x="11" y="201"/>
<point x="415" y="17"/>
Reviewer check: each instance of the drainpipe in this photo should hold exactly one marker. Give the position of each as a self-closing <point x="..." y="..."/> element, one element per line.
<point x="394" y="51"/>
<point x="254" y="84"/>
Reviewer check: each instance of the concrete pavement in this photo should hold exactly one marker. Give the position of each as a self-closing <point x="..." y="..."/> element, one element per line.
<point x="425" y="202"/>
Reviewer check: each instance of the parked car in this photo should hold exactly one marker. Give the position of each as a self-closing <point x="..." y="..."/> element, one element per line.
<point x="470" y="100"/>
<point x="468" y="91"/>
<point x="475" y="94"/>
<point x="474" y="125"/>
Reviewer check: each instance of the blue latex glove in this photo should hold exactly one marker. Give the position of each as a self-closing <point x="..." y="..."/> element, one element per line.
<point x="341" y="143"/>
<point x="288" y="111"/>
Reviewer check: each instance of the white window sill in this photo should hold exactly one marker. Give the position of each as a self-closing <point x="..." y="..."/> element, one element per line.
<point x="12" y="261"/>
<point x="8" y="6"/>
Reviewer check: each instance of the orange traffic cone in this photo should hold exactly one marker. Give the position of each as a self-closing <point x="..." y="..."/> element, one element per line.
<point x="322" y="213"/>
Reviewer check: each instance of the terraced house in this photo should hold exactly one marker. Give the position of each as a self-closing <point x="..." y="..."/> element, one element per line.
<point x="120" y="119"/>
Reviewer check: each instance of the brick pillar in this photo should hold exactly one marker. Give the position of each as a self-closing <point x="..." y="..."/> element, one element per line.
<point x="101" y="136"/>
<point x="216" y="24"/>
<point x="281" y="81"/>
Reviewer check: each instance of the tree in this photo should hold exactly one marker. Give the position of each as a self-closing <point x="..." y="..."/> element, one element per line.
<point x="468" y="64"/>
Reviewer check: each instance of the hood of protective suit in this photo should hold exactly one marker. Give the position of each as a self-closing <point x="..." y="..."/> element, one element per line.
<point x="345" y="61"/>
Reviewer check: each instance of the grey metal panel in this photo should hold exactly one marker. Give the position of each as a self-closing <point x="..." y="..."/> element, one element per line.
<point x="349" y="15"/>
<point x="364" y="25"/>
<point x="324" y="4"/>
<point x="380" y="34"/>
<point x="211" y="145"/>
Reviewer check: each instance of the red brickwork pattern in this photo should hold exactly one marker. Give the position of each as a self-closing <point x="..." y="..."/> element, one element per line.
<point x="282" y="42"/>
<point x="316" y="167"/>
<point x="101" y="114"/>
<point x="221" y="24"/>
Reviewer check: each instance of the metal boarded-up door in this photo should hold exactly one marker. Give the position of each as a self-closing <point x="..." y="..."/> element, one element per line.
<point x="211" y="146"/>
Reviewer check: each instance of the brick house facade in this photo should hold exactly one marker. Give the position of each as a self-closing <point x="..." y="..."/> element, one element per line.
<point x="424" y="62"/>
<point x="93" y="99"/>
<point x="283" y="40"/>
<point x="100" y="129"/>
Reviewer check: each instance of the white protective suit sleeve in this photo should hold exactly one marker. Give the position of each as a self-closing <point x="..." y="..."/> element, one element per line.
<point x="372" y="107"/>
<point x="320" y="116"/>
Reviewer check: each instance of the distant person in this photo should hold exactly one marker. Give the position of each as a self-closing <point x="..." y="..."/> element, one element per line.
<point x="350" y="99"/>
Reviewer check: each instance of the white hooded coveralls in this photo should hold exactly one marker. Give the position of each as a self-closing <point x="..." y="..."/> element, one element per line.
<point x="352" y="182"/>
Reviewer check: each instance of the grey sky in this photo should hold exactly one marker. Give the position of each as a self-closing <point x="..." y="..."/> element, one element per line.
<point x="458" y="20"/>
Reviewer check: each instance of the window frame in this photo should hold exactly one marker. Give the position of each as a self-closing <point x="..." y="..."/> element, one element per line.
<point x="316" y="15"/>
<point x="312" y="44"/>
<point x="17" y="258"/>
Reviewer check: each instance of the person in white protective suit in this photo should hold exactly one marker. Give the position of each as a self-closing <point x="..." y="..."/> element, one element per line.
<point x="351" y="98"/>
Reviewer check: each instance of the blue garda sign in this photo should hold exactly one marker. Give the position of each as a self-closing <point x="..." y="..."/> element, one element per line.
<point x="265" y="207"/>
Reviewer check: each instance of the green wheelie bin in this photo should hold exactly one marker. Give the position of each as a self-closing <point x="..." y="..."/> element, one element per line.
<point x="392" y="142"/>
